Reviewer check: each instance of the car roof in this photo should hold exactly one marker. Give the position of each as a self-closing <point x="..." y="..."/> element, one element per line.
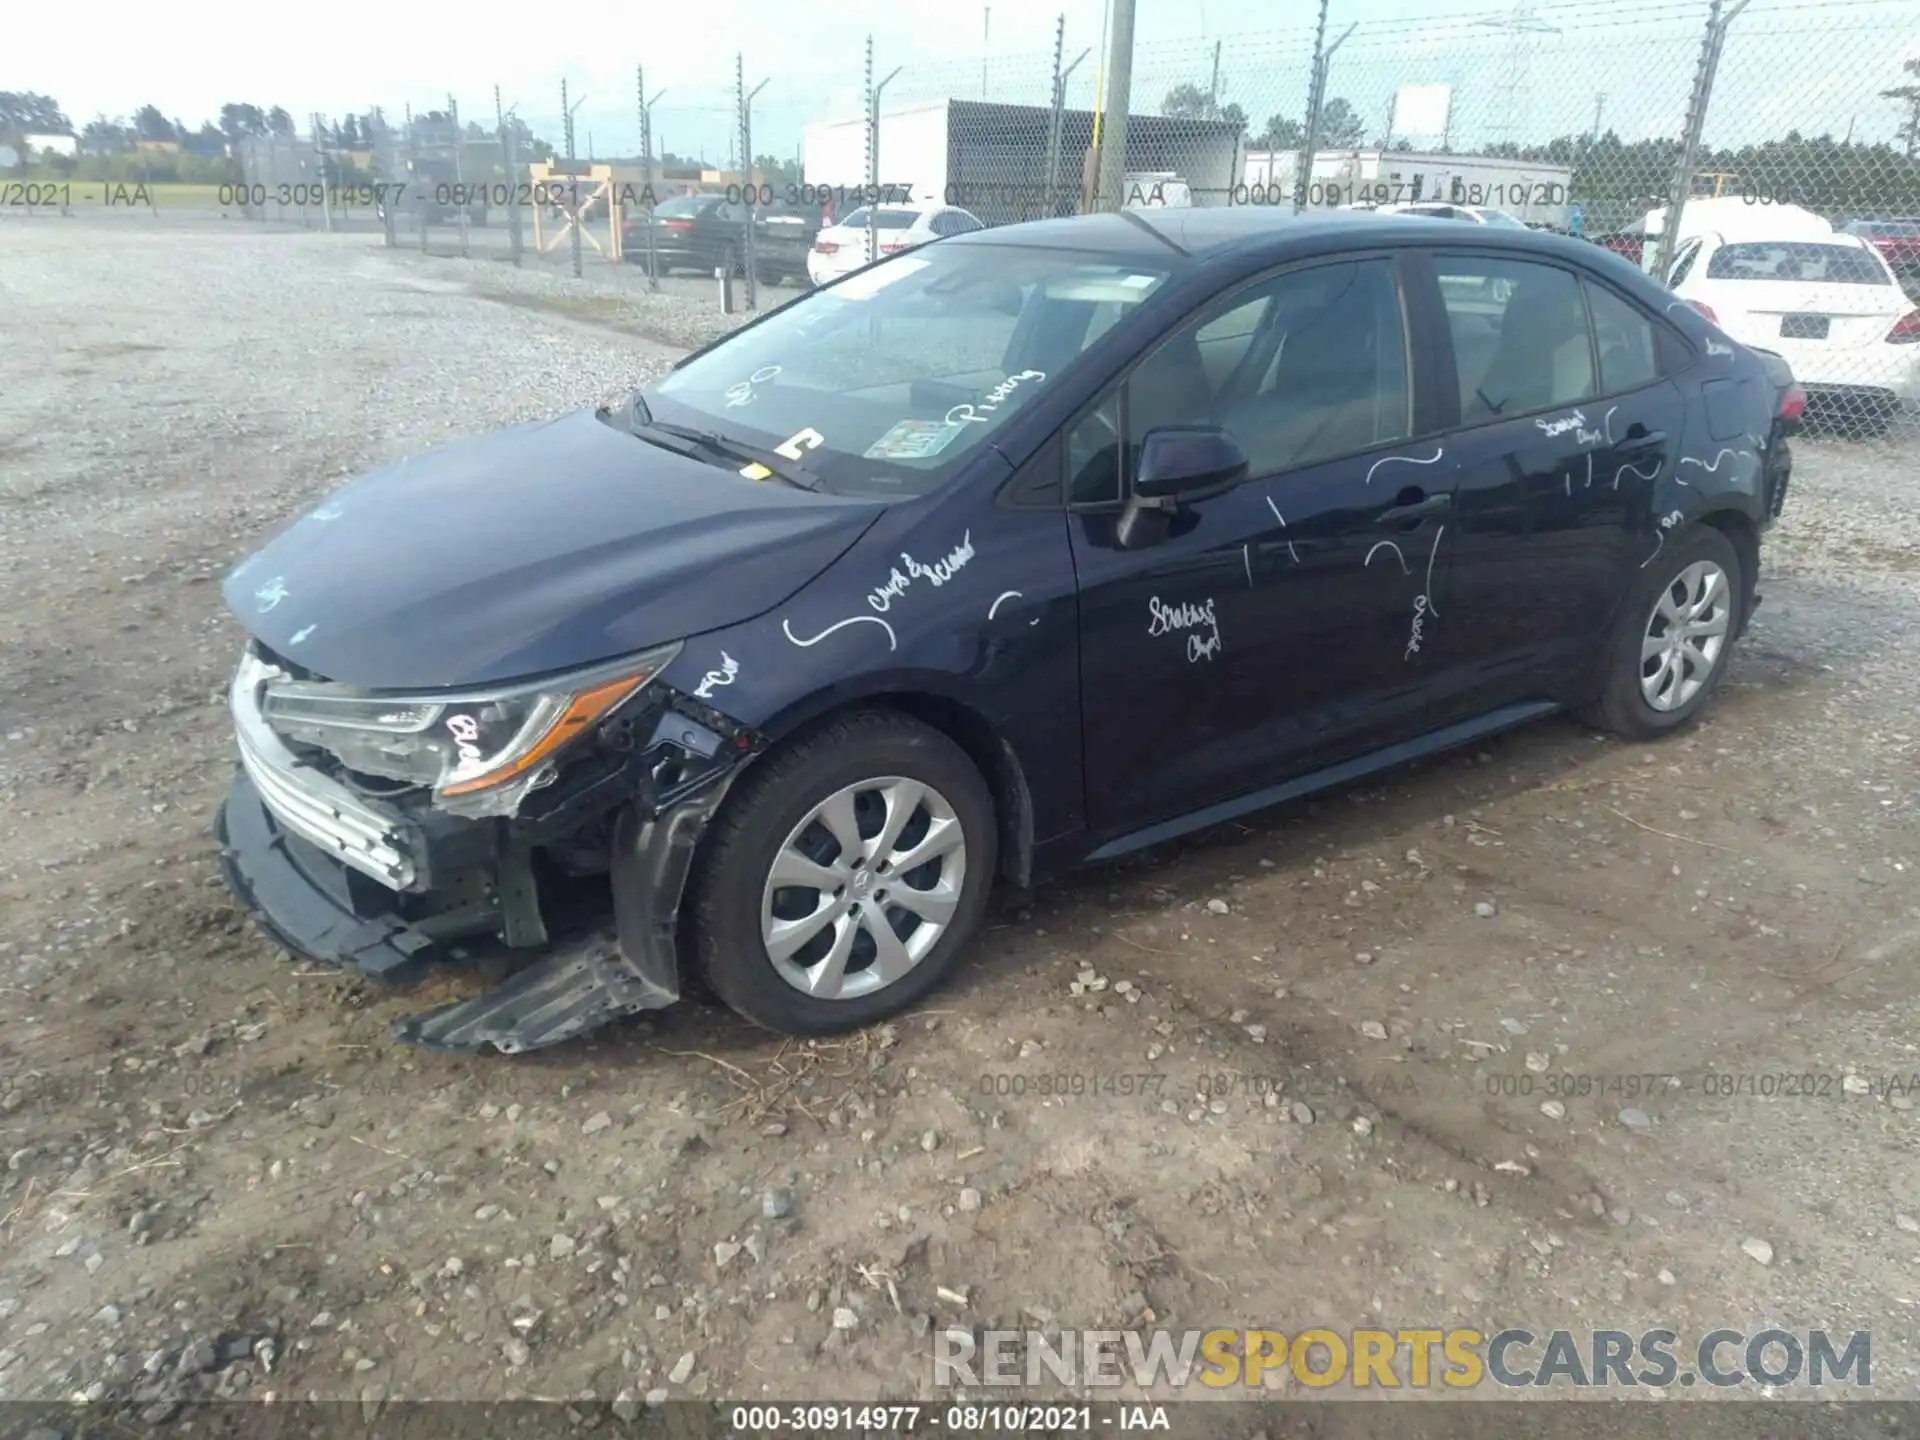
<point x="1185" y="236"/>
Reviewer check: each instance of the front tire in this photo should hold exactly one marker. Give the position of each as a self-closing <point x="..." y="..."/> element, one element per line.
<point x="1674" y="637"/>
<point x="845" y="878"/>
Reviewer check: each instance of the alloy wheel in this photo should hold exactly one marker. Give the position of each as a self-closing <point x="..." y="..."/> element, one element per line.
<point x="1685" y="636"/>
<point x="863" y="888"/>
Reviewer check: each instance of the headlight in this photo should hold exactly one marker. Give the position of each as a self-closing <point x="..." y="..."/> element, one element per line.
<point x="480" y="751"/>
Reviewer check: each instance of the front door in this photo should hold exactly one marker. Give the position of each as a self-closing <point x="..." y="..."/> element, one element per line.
<point x="1285" y="624"/>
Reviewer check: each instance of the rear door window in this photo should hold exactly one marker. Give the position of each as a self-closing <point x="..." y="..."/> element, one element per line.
<point x="1520" y="336"/>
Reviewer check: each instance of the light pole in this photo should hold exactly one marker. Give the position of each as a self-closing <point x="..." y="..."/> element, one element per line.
<point x="1111" y="139"/>
<point x="646" y="151"/>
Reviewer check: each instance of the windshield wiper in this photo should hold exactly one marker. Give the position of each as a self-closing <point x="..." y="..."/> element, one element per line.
<point x="692" y="441"/>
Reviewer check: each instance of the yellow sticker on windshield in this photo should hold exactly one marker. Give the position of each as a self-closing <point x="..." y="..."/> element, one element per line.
<point x="756" y="471"/>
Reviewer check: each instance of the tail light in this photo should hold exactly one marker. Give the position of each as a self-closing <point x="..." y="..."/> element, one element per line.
<point x="1907" y="330"/>
<point x="678" y="224"/>
<point x="825" y="247"/>
<point x="1793" y="403"/>
<point x="894" y="247"/>
<point x="1703" y="308"/>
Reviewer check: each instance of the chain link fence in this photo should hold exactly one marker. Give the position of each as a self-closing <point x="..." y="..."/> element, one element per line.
<point x="1758" y="156"/>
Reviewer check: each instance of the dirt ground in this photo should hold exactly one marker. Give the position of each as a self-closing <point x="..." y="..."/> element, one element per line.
<point x="1325" y="1095"/>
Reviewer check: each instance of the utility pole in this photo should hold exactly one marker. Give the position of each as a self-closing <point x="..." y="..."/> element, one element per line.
<point x="1520" y="25"/>
<point x="872" y="197"/>
<point x="986" y="41"/>
<point x="646" y="151"/>
<point x="509" y="158"/>
<point x="1599" y="109"/>
<point x="1213" y="85"/>
<point x="459" y="177"/>
<point x="1316" y="102"/>
<point x="573" y="180"/>
<point x="749" y="189"/>
<point x="1682" y="184"/>
<point x="1110" y="144"/>
<point x="320" y="149"/>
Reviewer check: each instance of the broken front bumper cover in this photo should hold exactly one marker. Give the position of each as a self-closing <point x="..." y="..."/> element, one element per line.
<point x="318" y="907"/>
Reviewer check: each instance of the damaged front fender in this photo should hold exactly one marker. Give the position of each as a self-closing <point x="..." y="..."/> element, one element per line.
<point x="689" y="763"/>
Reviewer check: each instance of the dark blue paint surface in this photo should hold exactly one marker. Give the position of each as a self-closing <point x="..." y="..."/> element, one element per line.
<point x="538" y="548"/>
<point x="550" y="546"/>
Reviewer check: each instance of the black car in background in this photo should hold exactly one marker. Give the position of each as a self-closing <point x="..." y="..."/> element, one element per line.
<point x="1032" y="547"/>
<point x="706" y="233"/>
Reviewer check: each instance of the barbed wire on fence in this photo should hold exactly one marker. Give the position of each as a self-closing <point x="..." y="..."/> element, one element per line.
<point x="1608" y="121"/>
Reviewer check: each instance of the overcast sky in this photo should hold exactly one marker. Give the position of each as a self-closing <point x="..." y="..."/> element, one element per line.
<point x="1811" y="64"/>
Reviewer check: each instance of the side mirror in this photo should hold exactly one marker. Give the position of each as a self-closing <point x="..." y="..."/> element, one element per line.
<point x="1187" y="462"/>
<point x="1178" y="465"/>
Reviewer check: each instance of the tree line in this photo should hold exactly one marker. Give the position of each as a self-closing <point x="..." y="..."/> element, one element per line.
<point x="1616" y="180"/>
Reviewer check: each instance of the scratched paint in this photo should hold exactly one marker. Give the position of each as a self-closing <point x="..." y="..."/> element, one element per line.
<point x="892" y="642"/>
<point x="726" y="674"/>
<point x="1423" y="605"/>
<point x="1295" y="554"/>
<point x="1387" y="545"/>
<point x="1432" y="459"/>
<point x="1667" y="522"/>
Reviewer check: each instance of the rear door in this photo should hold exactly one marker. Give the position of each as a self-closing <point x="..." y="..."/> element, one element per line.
<point x="1558" y="437"/>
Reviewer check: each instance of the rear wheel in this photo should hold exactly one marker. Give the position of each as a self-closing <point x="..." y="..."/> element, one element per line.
<point x="1674" y="638"/>
<point x="846" y="878"/>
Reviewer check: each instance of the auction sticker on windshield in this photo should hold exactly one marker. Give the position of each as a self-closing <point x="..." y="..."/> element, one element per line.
<point x="913" y="440"/>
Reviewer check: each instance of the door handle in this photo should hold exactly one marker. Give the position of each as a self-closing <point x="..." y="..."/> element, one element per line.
<point x="1634" y="444"/>
<point x="1406" y="517"/>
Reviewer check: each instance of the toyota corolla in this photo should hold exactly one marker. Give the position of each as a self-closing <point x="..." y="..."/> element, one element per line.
<point x="1027" y="548"/>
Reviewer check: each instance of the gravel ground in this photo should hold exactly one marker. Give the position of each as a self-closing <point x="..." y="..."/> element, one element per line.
<point x="221" y="1179"/>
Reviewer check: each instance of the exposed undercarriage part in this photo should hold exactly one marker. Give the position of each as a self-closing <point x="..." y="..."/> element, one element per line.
<point x="385" y="886"/>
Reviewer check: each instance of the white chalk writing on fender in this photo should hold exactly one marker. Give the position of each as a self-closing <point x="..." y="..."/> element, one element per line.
<point x="936" y="574"/>
<point x="729" y="670"/>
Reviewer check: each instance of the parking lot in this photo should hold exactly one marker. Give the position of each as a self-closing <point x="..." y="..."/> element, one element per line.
<point x="1557" y="1032"/>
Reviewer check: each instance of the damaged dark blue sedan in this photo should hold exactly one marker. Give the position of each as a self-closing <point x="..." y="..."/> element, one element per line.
<point x="1026" y="548"/>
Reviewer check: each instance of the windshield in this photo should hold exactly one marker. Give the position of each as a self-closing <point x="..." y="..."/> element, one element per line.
<point x="1797" y="260"/>
<point x="884" y="382"/>
<point x="1500" y="217"/>
<point x="683" y="205"/>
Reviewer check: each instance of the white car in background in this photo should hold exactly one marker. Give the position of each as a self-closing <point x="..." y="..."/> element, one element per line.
<point x="1826" y="303"/>
<point x="1442" y="210"/>
<point x="842" y="248"/>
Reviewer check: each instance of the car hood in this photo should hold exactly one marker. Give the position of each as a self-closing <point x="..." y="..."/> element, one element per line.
<point x="533" y="549"/>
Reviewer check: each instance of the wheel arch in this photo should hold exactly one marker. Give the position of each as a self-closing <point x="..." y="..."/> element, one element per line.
<point x="1744" y="536"/>
<point x="982" y="743"/>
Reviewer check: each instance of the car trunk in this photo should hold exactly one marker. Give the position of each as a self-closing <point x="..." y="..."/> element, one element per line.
<point x="1794" y="316"/>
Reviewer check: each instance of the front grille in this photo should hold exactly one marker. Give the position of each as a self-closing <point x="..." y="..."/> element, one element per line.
<point x="317" y="808"/>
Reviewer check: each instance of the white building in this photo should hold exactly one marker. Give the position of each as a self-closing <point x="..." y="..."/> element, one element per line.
<point x="52" y="144"/>
<point x="992" y="159"/>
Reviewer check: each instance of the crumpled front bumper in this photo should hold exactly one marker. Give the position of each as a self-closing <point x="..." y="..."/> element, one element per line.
<point x="336" y="914"/>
